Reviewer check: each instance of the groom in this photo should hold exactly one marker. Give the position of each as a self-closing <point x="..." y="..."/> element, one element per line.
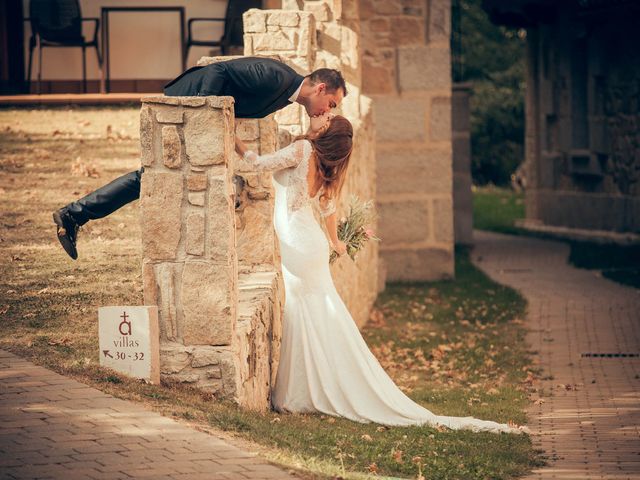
<point x="260" y="86"/>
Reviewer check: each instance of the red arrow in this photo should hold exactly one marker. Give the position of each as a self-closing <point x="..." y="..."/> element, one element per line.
<point x="107" y="354"/>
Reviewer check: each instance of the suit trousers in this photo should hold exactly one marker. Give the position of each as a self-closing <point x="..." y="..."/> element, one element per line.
<point x="107" y="199"/>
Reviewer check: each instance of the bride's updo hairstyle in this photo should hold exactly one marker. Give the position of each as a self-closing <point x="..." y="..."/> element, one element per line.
<point x="332" y="150"/>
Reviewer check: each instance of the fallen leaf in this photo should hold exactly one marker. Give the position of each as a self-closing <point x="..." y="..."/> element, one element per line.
<point x="397" y="456"/>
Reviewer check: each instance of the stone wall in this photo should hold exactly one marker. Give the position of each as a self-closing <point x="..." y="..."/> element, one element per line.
<point x="315" y="34"/>
<point x="582" y="120"/>
<point x="406" y="71"/>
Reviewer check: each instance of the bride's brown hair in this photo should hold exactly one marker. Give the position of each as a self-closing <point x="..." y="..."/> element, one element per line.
<point x="332" y="151"/>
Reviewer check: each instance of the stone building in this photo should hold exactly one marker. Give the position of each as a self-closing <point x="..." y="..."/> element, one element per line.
<point x="582" y="111"/>
<point x="212" y="266"/>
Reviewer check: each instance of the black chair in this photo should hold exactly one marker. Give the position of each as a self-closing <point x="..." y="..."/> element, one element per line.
<point x="58" y="23"/>
<point x="233" y="31"/>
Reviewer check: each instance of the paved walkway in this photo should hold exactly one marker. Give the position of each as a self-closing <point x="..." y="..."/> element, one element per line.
<point x="55" y="427"/>
<point x="588" y="419"/>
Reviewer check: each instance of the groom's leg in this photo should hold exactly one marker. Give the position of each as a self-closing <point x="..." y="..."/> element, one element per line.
<point x="97" y="204"/>
<point x="106" y="199"/>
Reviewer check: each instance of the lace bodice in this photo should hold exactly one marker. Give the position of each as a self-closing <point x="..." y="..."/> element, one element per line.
<point x="291" y="166"/>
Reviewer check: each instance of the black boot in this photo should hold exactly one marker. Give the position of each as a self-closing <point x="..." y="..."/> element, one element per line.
<point x="67" y="230"/>
<point x="97" y="204"/>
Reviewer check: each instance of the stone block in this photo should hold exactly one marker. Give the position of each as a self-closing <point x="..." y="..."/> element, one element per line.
<point x="424" y="67"/>
<point x="195" y="233"/>
<point x="423" y="264"/>
<point x="283" y="18"/>
<point x="440" y="121"/>
<point x="403" y="221"/>
<point x="218" y="103"/>
<point x="248" y="44"/>
<point x="208" y="303"/>
<point x="171" y="147"/>
<point x="160" y="202"/>
<point x="388" y="7"/>
<point x="174" y="358"/>
<point x="204" y="134"/>
<point x="379" y="72"/>
<point x="407" y="31"/>
<point x="440" y="21"/>
<point x="169" y="115"/>
<point x="247" y="129"/>
<point x="289" y="115"/>
<point x="220" y="237"/>
<point x="161" y="99"/>
<point x="274" y="41"/>
<point x="168" y="277"/>
<point x="254" y="21"/>
<point x="307" y="45"/>
<point x="204" y="357"/>
<point x="443" y="220"/>
<point x="196" y="198"/>
<point x="268" y="134"/>
<point x="399" y="119"/>
<point x="413" y="171"/>
<point x="320" y="10"/>
<point x="255" y="235"/>
<point x="196" y="182"/>
<point x="367" y="9"/>
<point x="146" y="136"/>
<point x="149" y="284"/>
<point x="380" y="25"/>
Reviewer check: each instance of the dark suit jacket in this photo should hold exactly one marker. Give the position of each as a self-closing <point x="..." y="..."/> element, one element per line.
<point x="260" y="86"/>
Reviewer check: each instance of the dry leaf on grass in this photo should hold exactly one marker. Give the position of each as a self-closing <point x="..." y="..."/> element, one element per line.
<point x="79" y="168"/>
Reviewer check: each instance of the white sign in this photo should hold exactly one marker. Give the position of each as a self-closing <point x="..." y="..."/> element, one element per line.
<point x="129" y="341"/>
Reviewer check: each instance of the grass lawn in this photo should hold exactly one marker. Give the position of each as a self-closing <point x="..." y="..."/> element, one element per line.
<point x="456" y="347"/>
<point x="496" y="209"/>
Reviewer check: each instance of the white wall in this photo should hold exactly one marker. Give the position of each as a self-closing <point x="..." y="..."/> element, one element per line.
<point x="143" y="45"/>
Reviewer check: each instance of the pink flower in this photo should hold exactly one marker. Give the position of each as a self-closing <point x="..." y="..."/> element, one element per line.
<point x="369" y="233"/>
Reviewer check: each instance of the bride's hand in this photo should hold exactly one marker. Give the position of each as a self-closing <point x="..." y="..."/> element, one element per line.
<point x="340" y="248"/>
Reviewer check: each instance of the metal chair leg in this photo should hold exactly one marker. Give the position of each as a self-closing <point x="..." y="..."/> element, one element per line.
<point x="84" y="69"/>
<point x="39" y="66"/>
<point x="32" y="45"/>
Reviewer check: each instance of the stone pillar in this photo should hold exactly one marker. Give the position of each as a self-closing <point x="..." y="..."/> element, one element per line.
<point x="188" y="237"/>
<point x="406" y="69"/>
<point x="462" y="196"/>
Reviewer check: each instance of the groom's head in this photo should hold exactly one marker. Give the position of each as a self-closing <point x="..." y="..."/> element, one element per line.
<point x="324" y="91"/>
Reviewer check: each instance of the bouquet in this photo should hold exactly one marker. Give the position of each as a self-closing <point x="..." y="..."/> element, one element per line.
<point x="353" y="230"/>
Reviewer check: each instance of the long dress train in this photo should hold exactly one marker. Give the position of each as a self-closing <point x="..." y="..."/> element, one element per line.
<point x="325" y="365"/>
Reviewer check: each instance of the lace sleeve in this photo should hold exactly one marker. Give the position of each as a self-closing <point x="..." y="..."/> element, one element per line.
<point x="328" y="208"/>
<point x="286" y="157"/>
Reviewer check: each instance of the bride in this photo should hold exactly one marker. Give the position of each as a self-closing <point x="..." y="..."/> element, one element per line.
<point x="325" y="365"/>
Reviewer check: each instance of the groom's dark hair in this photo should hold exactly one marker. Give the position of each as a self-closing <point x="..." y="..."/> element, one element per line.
<point x="332" y="78"/>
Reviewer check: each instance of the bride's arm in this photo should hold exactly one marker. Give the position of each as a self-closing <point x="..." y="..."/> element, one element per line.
<point x="285" y="157"/>
<point x="328" y="212"/>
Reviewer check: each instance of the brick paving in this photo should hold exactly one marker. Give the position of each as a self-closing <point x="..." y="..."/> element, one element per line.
<point x="53" y="427"/>
<point x="588" y="419"/>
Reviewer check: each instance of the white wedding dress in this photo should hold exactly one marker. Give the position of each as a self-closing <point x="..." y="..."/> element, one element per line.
<point x="325" y="365"/>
